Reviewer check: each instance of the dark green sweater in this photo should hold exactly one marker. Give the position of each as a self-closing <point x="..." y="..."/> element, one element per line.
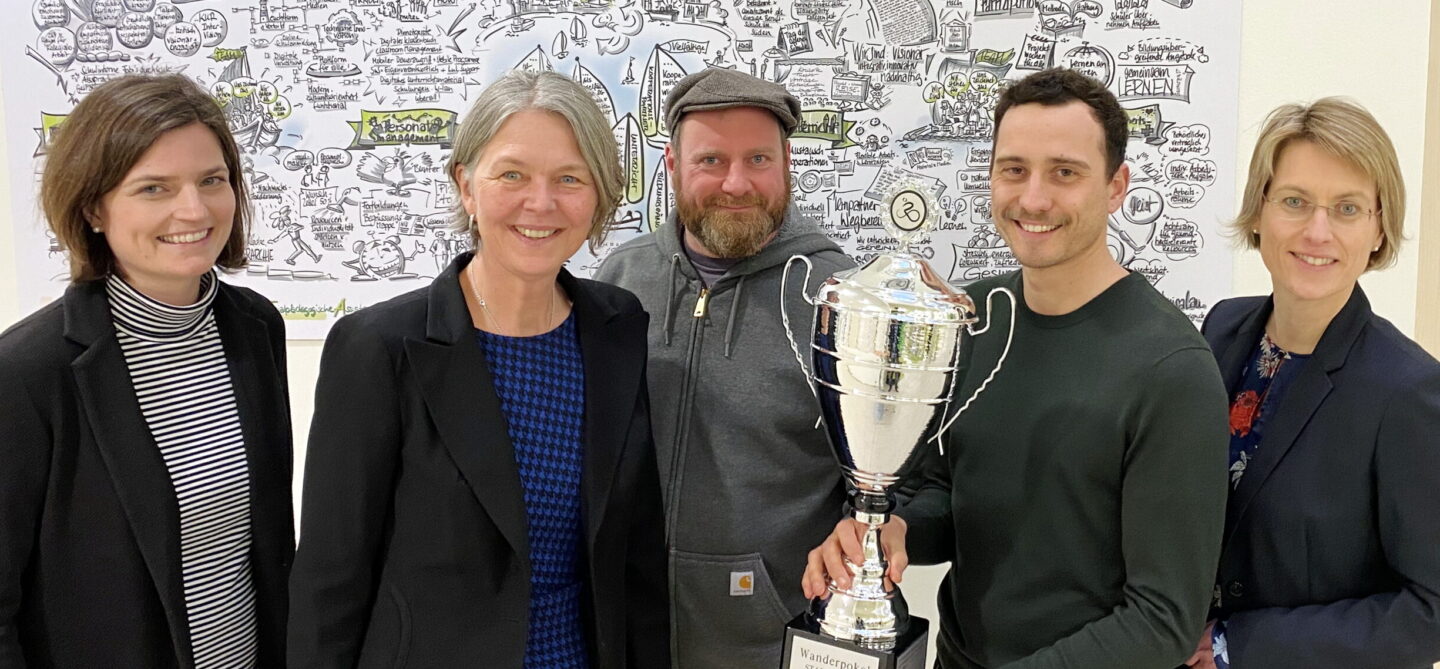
<point x="1082" y="496"/>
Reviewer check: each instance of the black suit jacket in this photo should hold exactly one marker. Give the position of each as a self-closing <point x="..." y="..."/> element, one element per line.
<point x="89" y="523"/>
<point x="413" y="548"/>
<point x="1332" y="538"/>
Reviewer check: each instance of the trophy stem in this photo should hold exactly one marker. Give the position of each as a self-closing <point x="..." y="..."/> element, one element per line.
<point x="864" y="613"/>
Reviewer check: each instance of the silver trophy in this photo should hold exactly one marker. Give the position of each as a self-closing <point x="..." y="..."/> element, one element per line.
<point x="886" y="340"/>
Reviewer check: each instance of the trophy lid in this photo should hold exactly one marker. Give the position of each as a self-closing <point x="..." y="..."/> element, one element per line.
<point x="900" y="286"/>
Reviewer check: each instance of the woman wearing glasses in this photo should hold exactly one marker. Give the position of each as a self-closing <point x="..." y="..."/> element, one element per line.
<point x="1332" y="543"/>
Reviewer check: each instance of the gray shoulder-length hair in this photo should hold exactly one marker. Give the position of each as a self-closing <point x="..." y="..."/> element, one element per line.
<point x="521" y="90"/>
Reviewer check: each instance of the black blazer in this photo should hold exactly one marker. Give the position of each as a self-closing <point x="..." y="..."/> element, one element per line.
<point x="1332" y="539"/>
<point x="413" y="548"/>
<point x="89" y="523"/>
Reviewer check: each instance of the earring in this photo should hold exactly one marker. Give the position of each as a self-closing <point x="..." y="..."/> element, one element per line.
<point x="1255" y="235"/>
<point x="1376" y="249"/>
<point x="95" y="229"/>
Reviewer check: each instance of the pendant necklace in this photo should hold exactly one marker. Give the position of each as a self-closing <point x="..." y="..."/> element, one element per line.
<point x="475" y="287"/>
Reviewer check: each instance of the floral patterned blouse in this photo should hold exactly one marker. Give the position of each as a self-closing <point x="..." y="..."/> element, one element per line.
<point x="1267" y="376"/>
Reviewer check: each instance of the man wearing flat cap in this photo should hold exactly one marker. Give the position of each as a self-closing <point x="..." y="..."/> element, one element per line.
<point x="750" y="483"/>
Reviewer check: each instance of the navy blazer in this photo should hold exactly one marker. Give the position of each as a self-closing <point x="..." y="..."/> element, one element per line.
<point x="1332" y="538"/>
<point x="89" y="522"/>
<point x="413" y="544"/>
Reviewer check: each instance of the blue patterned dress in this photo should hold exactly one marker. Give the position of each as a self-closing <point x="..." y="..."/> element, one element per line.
<point x="541" y="384"/>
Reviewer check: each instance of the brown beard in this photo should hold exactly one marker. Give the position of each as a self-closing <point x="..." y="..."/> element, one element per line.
<point x="727" y="234"/>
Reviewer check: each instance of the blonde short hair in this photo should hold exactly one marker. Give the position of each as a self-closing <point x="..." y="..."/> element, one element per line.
<point x="1345" y="130"/>
<point x="521" y="90"/>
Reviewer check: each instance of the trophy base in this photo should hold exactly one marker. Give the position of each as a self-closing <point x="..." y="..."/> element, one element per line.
<point x="807" y="648"/>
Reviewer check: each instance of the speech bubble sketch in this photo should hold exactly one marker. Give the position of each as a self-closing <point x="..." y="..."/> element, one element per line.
<point x="107" y="12"/>
<point x="1142" y="206"/>
<point x="164" y="16"/>
<point x="93" y="38"/>
<point x="213" y="27"/>
<point x="57" y="45"/>
<point x="1187" y="140"/>
<point x="135" y="30"/>
<point x="183" y="39"/>
<point x="298" y="160"/>
<point x="1184" y="195"/>
<point x="1152" y="270"/>
<point x="1091" y="60"/>
<point x="1179" y="239"/>
<point x="334" y="158"/>
<point x="1194" y="170"/>
<point x="50" y="14"/>
<point x="1164" y="50"/>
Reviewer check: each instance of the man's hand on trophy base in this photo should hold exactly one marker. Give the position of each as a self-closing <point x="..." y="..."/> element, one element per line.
<point x="829" y="560"/>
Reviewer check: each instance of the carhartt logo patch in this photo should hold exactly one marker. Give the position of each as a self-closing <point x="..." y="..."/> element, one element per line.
<point x="742" y="583"/>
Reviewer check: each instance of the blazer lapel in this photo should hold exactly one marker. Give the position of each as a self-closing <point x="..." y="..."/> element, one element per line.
<point x="264" y="409"/>
<point x="1302" y="399"/>
<point x="459" y="393"/>
<point x="1247" y="336"/>
<point x="612" y="346"/>
<point x="137" y="470"/>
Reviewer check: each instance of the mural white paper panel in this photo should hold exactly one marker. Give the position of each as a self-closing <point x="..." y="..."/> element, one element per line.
<point x="346" y="108"/>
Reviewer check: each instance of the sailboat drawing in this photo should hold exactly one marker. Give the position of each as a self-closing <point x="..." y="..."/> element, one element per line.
<point x="661" y="200"/>
<point x="535" y="61"/>
<point x="561" y="46"/>
<point x="597" y="89"/>
<point x="578" y="32"/>
<point x="661" y="74"/>
<point x="632" y="157"/>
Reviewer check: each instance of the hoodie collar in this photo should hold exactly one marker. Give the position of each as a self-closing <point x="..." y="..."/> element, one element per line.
<point x="797" y="234"/>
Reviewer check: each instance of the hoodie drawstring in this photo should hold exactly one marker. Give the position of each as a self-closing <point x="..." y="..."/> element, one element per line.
<point x="734" y="309"/>
<point x="670" y="297"/>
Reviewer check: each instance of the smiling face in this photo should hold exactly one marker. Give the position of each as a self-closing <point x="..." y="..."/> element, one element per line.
<point x="169" y="218"/>
<point x="731" y="171"/>
<point x="1049" y="191"/>
<point x="1318" y="258"/>
<point x="531" y="194"/>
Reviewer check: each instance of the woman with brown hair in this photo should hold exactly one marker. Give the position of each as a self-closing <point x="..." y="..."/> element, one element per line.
<point x="145" y="515"/>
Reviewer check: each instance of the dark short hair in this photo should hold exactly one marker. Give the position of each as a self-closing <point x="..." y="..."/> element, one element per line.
<point x="1057" y="86"/>
<point x="103" y="138"/>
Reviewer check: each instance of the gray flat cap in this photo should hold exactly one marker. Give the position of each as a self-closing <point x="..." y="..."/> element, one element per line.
<point x="721" y="88"/>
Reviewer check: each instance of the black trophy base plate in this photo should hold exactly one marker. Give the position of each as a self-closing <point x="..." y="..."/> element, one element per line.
<point x="807" y="648"/>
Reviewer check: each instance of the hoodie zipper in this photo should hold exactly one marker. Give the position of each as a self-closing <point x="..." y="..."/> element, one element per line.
<point x="682" y="430"/>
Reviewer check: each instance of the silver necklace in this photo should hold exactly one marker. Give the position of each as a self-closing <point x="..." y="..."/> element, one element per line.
<point x="475" y="287"/>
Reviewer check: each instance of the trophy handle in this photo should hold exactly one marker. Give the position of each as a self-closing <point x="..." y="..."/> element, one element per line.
<point x="785" y="316"/>
<point x="1009" y="339"/>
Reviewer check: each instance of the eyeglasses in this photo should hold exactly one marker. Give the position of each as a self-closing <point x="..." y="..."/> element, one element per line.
<point x="1296" y="208"/>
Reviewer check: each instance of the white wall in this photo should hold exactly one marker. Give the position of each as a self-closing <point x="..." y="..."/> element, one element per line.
<point x="1291" y="50"/>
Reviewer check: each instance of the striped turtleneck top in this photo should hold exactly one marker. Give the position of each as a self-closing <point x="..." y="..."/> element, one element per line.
<point x="177" y="367"/>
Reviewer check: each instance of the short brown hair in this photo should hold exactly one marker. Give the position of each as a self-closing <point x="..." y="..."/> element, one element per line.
<point x="522" y="90"/>
<point x="103" y="138"/>
<point x="1057" y="86"/>
<point x="1345" y="130"/>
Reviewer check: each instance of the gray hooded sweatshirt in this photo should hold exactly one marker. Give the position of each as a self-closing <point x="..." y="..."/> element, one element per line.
<point x="750" y="484"/>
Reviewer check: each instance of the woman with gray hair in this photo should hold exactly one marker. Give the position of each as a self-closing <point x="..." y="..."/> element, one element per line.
<point x="481" y="486"/>
<point x="1332" y="544"/>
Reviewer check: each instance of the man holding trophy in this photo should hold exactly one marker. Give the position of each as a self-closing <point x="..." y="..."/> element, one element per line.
<point x="1080" y="496"/>
<point x="749" y="481"/>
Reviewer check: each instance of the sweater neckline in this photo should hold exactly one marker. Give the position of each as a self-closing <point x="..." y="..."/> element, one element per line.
<point x="143" y="317"/>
